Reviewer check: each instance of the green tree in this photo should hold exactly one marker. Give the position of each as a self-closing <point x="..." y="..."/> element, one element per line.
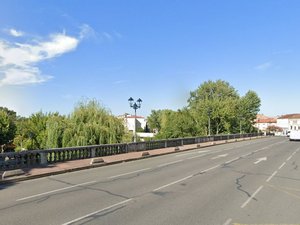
<point x="55" y="127"/>
<point x="248" y="108"/>
<point x="154" y="120"/>
<point x="7" y="125"/>
<point x="211" y="105"/>
<point x="91" y="124"/>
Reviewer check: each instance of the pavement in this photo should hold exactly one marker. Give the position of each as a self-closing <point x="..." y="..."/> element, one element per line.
<point x="75" y="165"/>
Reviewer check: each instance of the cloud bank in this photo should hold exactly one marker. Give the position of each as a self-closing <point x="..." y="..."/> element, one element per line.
<point x="19" y="61"/>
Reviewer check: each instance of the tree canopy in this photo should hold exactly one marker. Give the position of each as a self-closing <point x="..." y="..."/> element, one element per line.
<point x="215" y="107"/>
<point x="7" y="125"/>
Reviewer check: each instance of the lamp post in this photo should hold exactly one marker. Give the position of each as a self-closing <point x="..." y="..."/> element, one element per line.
<point x="135" y="105"/>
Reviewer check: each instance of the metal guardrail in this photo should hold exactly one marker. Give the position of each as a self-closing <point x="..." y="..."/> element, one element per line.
<point x="35" y="158"/>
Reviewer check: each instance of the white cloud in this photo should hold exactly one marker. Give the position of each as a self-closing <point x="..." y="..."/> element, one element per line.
<point x="264" y="66"/>
<point x="87" y="32"/>
<point x="19" y="61"/>
<point x="15" y="33"/>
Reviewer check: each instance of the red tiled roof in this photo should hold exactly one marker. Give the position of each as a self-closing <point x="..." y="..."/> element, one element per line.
<point x="269" y="120"/>
<point x="290" y="116"/>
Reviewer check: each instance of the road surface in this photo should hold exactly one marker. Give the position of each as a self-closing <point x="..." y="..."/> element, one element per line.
<point x="250" y="182"/>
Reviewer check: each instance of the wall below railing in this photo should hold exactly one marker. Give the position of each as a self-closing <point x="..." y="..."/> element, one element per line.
<point x="35" y="158"/>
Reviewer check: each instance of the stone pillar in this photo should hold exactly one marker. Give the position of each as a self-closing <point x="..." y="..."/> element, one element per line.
<point x="44" y="161"/>
<point x="93" y="153"/>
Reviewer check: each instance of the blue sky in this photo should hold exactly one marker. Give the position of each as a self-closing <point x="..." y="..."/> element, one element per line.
<point x="56" y="53"/>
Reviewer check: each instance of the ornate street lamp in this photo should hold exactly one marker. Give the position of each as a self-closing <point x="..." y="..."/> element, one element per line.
<point x="135" y="105"/>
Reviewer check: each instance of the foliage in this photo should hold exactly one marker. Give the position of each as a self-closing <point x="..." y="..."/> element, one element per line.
<point x="88" y="124"/>
<point x="172" y="124"/>
<point x="273" y="128"/>
<point x="91" y="124"/>
<point x="212" y="105"/>
<point x="7" y="125"/>
<point x="213" y="108"/>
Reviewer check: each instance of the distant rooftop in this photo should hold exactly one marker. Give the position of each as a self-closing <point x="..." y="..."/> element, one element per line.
<point x="268" y="120"/>
<point x="126" y="115"/>
<point x="290" y="116"/>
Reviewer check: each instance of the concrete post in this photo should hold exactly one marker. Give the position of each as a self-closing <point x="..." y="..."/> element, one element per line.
<point x="93" y="153"/>
<point x="44" y="161"/>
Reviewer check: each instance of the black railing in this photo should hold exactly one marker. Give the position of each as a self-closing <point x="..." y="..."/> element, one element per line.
<point x="34" y="158"/>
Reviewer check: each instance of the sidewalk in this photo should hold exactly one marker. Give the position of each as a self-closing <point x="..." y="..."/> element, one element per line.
<point x="69" y="166"/>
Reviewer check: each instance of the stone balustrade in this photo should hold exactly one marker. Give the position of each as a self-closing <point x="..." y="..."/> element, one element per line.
<point x="35" y="158"/>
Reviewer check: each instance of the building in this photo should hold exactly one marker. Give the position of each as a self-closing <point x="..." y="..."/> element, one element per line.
<point x="281" y="125"/>
<point x="129" y="120"/>
<point x="263" y="123"/>
<point x="289" y="122"/>
<point x="141" y="124"/>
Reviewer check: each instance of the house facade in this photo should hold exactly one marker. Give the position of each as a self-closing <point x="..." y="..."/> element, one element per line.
<point x="263" y="123"/>
<point x="129" y="121"/>
<point x="289" y="122"/>
<point x="283" y="124"/>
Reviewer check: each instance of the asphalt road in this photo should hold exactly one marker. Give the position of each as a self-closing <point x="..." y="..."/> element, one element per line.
<point x="250" y="182"/>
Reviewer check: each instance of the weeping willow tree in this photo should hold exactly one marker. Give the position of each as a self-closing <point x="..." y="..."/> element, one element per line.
<point x="92" y="124"/>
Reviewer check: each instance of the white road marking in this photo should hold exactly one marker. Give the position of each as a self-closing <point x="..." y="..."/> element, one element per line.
<point x="230" y="161"/>
<point x="260" y="160"/>
<point x="272" y="176"/>
<point x="57" y="190"/>
<point x="189" y="153"/>
<point x="170" y="163"/>
<point x="243" y="156"/>
<point x="198" y="156"/>
<point x="228" y="221"/>
<point x="204" y="151"/>
<point x="288" y="159"/>
<point x="220" y="156"/>
<point x="214" y="167"/>
<point x="251" y="197"/>
<point x="175" y="182"/>
<point x="96" y="212"/>
<point x="282" y="165"/>
<point x="124" y="174"/>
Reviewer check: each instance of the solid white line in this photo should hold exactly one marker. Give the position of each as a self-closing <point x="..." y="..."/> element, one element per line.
<point x="99" y="211"/>
<point x="124" y="174"/>
<point x="272" y="176"/>
<point x="288" y="159"/>
<point x="57" y="190"/>
<point x="203" y="171"/>
<point x="228" y="221"/>
<point x="282" y="165"/>
<point x="175" y="182"/>
<point x="170" y="163"/>
<point x="251" y="197"/>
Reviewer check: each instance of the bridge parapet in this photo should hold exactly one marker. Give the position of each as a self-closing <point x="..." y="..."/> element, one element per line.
<point x="36" y="158"/>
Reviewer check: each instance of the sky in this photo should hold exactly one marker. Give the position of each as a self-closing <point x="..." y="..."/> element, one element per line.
<point x="56" y="53"/>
